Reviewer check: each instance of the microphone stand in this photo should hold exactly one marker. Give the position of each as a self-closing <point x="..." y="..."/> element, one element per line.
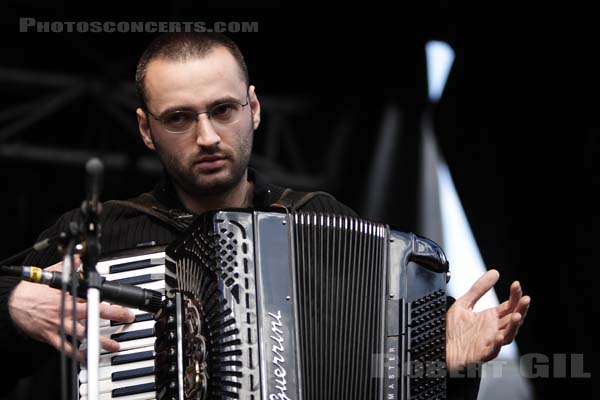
<point x="91" y="254"/>
<point x="67" y="271"/>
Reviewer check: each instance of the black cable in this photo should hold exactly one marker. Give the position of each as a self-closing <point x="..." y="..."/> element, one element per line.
<point x="41" y="245"/>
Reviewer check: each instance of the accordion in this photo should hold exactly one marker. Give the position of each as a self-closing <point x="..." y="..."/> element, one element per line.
<point x="294" y="305"/>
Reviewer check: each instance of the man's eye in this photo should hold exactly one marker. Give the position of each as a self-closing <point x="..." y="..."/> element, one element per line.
<point x="177" y="118"/>
<point x="222" y="110"/>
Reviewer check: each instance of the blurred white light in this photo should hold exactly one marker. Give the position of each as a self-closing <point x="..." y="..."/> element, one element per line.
<point x="440" y="57"/>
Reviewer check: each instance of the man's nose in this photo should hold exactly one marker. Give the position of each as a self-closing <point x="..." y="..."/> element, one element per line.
<point x="206" y="135"/>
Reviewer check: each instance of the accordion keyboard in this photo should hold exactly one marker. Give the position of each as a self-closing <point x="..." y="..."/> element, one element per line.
<point x="129" y="373"/>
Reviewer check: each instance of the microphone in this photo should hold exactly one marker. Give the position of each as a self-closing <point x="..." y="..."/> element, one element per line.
<point x="91" y="209"/>
<point x="113" y="292"/>
<point x="94" y="170"/>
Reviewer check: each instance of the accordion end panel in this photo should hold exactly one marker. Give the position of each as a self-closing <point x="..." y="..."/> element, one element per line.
<point x="415" y="347"/>
<point x="214" y="354"/>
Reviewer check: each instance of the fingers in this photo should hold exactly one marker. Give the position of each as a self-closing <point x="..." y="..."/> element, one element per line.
<point x="523" y="306"/>
<point x="479" y="288"/>
<point x="109" y="344"/>
<point x="80" y="309"/>
<point x="107" y="311"/>
<point x="511" y="326"/>
<point x="106" y="343"/>
<point x="511" y="304"/>
<point x="522" y="309"/>
<point x="56" y="342"/>
<point x="116" y="313"/>
<point x="79" y="332"/>
<point x="515" y="294"/>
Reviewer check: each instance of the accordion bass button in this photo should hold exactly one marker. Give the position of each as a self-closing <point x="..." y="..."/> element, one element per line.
<point x="164" y="323"/>
<point x="164" y="356"/>
<point x="166" y="339"/>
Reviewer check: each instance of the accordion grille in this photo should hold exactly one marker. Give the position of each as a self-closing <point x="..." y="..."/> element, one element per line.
<point x="340" y="265"/>
<point x="427" y="348"/>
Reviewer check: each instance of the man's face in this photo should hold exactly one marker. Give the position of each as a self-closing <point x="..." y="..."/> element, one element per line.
<point x="209" y="158"/>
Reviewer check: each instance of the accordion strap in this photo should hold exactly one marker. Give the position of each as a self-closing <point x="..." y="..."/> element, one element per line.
<point x="148" y="204"/>
<point x="181" y="219"/>
<point x="293" y="200"/>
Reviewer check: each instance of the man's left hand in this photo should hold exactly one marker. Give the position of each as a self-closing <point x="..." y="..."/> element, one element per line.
<point x="476" y="337"/>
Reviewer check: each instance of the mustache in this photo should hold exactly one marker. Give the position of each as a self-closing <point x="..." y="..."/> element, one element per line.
<point x="214" y="153"/>
<point x="217" y="149"/>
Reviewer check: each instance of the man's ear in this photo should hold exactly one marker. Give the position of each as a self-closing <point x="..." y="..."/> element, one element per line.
<point x="144" y="128"/>
<point x="254" y="106"/>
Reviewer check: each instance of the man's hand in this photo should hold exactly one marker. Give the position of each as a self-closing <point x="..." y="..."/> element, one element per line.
<point x="475" y="337"/>
<point x="35" y="309"/>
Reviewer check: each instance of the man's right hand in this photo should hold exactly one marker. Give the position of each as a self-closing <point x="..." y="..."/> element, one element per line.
<point x="35" y="310"/>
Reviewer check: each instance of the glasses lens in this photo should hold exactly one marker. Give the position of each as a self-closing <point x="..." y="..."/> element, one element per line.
<point x="226" y="113"/>
<point x="179" y="121"/>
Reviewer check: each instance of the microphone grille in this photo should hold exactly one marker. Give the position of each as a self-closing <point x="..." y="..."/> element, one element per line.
<point x="155" y="302"/>
<point x="94" y="166"/>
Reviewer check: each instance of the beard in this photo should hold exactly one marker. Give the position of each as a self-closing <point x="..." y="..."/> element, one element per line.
<point x="223" y="180"/>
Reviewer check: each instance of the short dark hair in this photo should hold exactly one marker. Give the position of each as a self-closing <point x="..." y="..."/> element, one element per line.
<point x="182" y="46"/>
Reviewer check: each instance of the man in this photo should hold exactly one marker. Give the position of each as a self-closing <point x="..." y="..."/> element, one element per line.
<point x="198" y="113"/>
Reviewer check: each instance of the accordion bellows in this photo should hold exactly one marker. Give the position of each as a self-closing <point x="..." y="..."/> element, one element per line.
<point x="293" y="305"/>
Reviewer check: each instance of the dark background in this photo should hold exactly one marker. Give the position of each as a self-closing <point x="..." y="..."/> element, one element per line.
<point x="516" y="125"/>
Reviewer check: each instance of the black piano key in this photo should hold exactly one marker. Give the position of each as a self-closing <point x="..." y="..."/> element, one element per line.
<point x="139" y="334"/>
<point x="138" y="280"/>
<point x="135" y="389"/>
<point x="133" y="265"/>
<point x="138" y="318"/>
<point x="132" y="373"/>
<point x="132" y="357"/>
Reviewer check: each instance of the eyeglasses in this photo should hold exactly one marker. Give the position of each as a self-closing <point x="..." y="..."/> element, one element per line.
<point x="221" y="114"/>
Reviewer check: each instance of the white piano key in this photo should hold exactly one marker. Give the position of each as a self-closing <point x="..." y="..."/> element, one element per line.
<point x="139" y="396"/>
<point x="157" y="269"/>
<point x="134" y="344"/>
<point x="107" y="386"/>
<point x="136" y="326"/>
<point x="105" y="372"/>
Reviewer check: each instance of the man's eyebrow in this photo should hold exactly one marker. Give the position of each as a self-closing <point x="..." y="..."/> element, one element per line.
<point x="225" y="99"/>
